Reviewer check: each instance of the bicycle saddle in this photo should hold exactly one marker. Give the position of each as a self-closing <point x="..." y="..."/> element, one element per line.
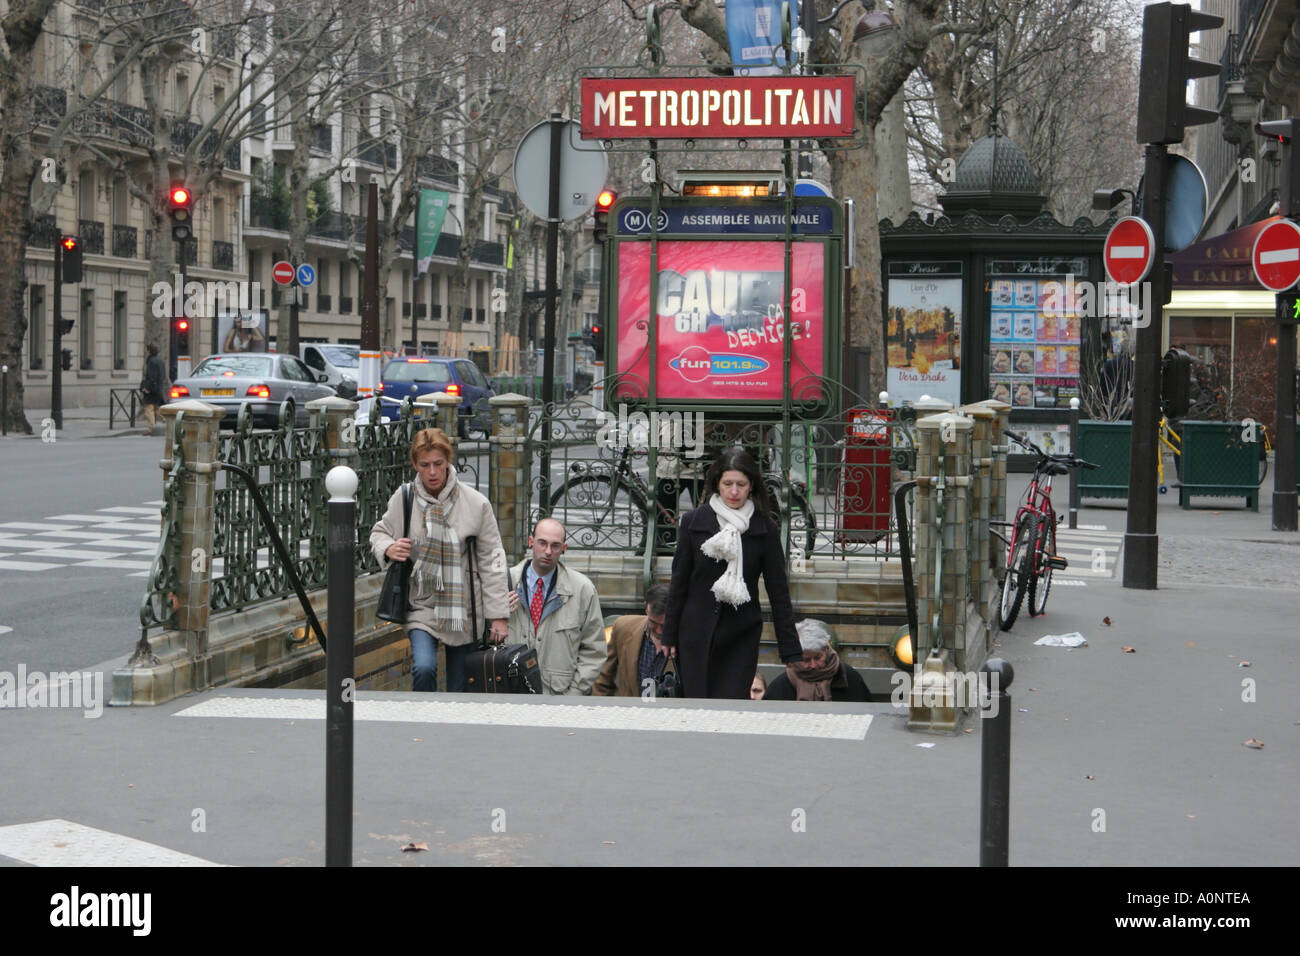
<point x="1056" y="468"/>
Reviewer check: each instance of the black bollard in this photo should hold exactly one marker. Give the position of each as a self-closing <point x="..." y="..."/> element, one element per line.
<point x="1074" y="472"/>
<point x="995" y="763"/>
<point x="4" y="400"/>
<point x="340" y="683"/>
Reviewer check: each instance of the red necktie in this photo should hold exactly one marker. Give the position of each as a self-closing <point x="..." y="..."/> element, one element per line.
<point x="536" y="608"/>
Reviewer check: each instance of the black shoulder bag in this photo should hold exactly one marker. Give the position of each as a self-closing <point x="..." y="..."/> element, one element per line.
<point x="393" y="596"/>
<point x="497" y="668"/>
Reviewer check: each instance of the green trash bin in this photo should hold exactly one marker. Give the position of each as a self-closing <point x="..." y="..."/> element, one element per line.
<point x="1105" y="444"/>
<point x="1219" y="461"/>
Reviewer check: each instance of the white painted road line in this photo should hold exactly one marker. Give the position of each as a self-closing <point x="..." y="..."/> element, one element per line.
<point x="27" y="566"/>
<point x="638" y="716"/>
<point x="122" y="509"/>
<point x="64" y="843"/>
<point x="116" y="563"/>
<point x="70" y="554"/>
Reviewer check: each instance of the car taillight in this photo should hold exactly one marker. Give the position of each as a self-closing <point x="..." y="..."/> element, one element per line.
<point x="379" y="387"/>
<point x="453" y="389"/>
<point x="179" y="391"/>
<point x="259" y="391"/>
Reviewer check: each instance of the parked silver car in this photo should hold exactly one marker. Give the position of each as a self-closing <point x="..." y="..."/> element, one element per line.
<point x="261" y="379"/>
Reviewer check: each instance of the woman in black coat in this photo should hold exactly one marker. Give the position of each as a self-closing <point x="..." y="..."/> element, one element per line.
<point x="713" y="621"/>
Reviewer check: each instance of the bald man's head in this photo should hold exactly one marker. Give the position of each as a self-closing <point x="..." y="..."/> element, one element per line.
<point x="547" y="544"/>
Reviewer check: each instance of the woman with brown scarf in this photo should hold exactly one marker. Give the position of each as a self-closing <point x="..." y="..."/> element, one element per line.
<point x="820" y="675"/>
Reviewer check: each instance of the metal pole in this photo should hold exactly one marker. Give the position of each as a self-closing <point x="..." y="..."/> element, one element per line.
<point x="56" y="379"/>
<point x="340" y="682"/>
<point x="184" y="314"/>
<point x="294" y="291"/>
<point x="369" y="367"/>
<point x="1284" y="463"/>
<point x="1074" y="472"/>
<point x="4" y="400"/>
<point x="415" y="302"/>
<point x="995" y="763"/>
<point x="552" y="293"/>
<point x="1141" y="544"/>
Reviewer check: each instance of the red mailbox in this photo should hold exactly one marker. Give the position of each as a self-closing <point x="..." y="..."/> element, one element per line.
<point x="862" y="499"/>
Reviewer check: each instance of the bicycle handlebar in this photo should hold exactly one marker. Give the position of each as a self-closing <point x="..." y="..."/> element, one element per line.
<point x="1070" y="461"/>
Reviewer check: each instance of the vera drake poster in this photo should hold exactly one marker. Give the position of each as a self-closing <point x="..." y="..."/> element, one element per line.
<point x="720" y="330"/>
<point x="923" y="331"/>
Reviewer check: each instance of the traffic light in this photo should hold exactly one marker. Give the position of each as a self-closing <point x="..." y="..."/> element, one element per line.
<point x="1176" y="383"/>
<point x="1166" y="70"/>
<point x="65" y="326"/>
<point x="604" y="203"/>
<point x="181" y="203"/>
<point x="71" y="258"/>
<point x="65" y="360"/>
<point x="1288" y="179"/>
<point x="180" y="336"/>
<point x="598" y="341"/>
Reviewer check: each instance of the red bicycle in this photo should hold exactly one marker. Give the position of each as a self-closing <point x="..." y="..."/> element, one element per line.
<point x="1031" y="549"/>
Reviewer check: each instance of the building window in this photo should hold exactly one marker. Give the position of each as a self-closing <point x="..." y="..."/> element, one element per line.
<point x="86" y="195"/>
<point x="86" y="352"/>
<point x="119" y="331"/>
<point x="36" y="327"/>
<point x="182" y="105"/>
<point x="219" y="231"/>
<point x="121" y="202"/>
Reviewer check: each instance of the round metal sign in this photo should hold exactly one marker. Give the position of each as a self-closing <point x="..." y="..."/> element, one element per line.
<point x="582" y="171"/>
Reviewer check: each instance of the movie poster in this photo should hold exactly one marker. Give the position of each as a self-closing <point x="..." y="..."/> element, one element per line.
<point x="923" y="330"/>
<point x="719" y="324"/>
<point x="1033" y="341"/>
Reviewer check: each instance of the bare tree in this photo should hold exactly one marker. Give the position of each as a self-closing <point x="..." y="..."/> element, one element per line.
<point x="887" y="59"/>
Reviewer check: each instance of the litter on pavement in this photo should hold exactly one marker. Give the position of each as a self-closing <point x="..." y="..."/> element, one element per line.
<point x="1073" y="639"/>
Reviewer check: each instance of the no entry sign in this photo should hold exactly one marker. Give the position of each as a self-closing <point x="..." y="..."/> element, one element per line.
<point x="1130" y="249"/>
<point x="1276" y="256"/>
<point x="282" y="272"/>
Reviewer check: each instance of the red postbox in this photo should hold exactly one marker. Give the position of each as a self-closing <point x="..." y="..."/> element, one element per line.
<point x="862" y="499"/>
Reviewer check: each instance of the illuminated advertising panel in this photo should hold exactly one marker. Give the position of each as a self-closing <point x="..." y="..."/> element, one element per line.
<point x="719" y="322"/>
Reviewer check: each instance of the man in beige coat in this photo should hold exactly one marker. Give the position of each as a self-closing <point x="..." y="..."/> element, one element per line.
<point x="555" y="609"/>
<point x="445" y="513"/>
<point x="636" y="662"/>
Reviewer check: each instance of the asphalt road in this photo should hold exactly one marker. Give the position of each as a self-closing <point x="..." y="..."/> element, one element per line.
<point x="77" y="614"/>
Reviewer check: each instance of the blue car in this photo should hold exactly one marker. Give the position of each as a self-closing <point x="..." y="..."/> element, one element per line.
<point x="407" y="376"/>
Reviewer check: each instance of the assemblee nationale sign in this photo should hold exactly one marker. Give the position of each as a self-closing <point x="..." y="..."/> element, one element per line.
<point x="724" y="107"/>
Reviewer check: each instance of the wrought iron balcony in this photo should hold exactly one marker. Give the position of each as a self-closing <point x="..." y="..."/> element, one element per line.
<point x="45" y="233"/>
<point x="437" y="168"/>
<point x="92" y="236"/>
<point x="437" y="310"/>
<point x="263" y="214"/>
<point x="406" y="310"/>
<point x="379" y="154"/>
<point x="323" y="303"/>
<point x="587" y="276"/>
<point x="345" y="305"/>
<point x="421" y="310"/>
<point x="148" y="243"/>
<point x="223" y="255"/>
<point x="191" y="252"/>
<point x="124" y="241"/>
<point x="480" y="315"/>
<point x="322" y="138"/>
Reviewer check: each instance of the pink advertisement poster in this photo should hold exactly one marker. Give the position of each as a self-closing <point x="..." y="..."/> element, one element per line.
<point x="720" y="320"/>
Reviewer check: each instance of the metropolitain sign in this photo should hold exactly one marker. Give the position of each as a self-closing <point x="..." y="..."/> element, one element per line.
<point x="723" y="107"/>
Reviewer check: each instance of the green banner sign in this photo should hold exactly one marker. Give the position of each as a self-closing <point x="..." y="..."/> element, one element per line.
<point x="430" y="212"/>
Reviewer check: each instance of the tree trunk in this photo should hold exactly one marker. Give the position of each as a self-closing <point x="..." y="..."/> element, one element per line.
<point x="23" y="23"/>
<point x="853" y="173"/>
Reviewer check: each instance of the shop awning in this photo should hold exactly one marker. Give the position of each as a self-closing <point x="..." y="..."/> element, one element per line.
<point x="1220" y="262"/>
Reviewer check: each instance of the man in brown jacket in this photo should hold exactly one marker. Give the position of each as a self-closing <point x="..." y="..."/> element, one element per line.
<point x="635" y="659"/>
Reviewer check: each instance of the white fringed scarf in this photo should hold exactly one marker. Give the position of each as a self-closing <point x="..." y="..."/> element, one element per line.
<point x="725" y="546"/>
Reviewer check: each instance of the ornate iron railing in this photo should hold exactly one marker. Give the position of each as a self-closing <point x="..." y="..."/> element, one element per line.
<point x="158" y="608"/>
<point x="124" y="242"/>
<point x="610" y="473"/>
<point x="289" y="465"/>
<point x="92" y="236"/>
<point x="45" y="232"/>
<point x="223" y="255"/>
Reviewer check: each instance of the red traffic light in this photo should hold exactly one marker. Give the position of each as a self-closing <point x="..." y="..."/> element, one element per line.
<point x="69" y="243"/>
<point x="606" y="199"/>
<point x="180" y="196"/>
<point x="595" y="330"/>
<point x="182" y="325"/>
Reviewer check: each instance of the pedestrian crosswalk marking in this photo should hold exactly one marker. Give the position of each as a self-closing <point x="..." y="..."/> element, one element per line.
<point x="1093" y="554"/>
<point x="639" y="715"/>
<point x="65" y="843"/>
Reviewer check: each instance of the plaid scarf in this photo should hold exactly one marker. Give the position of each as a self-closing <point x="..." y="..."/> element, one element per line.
<point x="437" y="571"/>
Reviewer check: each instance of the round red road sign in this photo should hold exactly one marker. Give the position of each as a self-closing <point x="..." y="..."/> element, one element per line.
<point x="1276" y="256"/>
<point x="1129" y="251"/>
<point x="282" y="272"/>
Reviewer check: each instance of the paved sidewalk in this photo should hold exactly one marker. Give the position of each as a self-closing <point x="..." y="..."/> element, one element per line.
<point x="83" y="423"/>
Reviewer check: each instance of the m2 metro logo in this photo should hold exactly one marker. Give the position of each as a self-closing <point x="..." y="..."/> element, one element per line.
<point x="695" y="364"/>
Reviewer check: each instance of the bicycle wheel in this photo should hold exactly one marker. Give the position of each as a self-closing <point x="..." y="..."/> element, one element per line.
<point x="596" y="514"/>
<point x="1019" y="570"/>
<point x="1041" y="582"/>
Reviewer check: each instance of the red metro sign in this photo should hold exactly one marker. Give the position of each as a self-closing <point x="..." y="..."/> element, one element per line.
<point x="721" y="107"/>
